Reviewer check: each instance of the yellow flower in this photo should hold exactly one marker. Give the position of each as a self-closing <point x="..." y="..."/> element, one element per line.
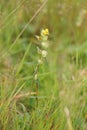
<point x="45" y="32"/>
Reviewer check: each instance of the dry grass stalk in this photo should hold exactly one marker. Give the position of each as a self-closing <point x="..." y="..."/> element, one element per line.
<point x="69" y="122"/>
<point x="23" y="95"/>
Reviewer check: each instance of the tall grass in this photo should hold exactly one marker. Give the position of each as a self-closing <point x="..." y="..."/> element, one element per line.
<point x="61" y="101"/>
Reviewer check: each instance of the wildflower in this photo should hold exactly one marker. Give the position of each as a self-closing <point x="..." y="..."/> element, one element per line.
<point x="43" y="39"/>
<point x="44" y="44"/>
<point x="44" y="53"/>
<point x="40" y="61"/>
<point x="44" y="32"/>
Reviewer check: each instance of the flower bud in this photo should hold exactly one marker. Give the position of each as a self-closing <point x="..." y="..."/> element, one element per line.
<point x="44" y="53"/>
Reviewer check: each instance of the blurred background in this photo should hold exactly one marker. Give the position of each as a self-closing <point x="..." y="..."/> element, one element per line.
<point x="65" y="19"/>
<point x="20" y="21"/>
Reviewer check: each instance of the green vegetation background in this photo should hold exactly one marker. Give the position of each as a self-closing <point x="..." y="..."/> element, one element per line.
<point x="61" y="102"/>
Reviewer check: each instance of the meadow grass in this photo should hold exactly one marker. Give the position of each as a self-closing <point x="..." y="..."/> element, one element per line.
<point x="52" y="95"/>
